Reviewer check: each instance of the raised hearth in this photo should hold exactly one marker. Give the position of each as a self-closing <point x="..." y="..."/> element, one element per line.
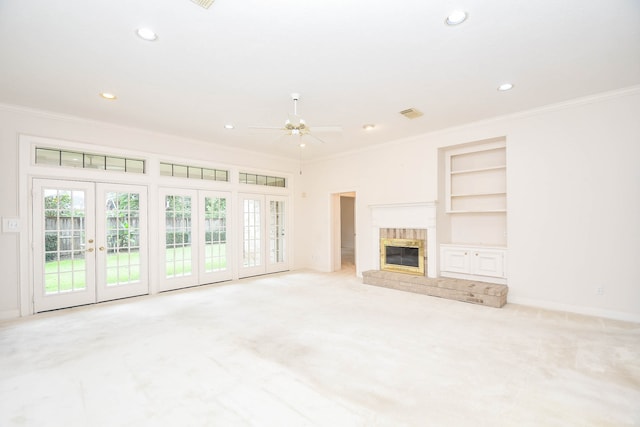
<point x="475" y="292"/>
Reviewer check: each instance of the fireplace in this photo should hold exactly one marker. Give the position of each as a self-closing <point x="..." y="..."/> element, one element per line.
<point x="410" y="221"/>
<point x="402" y="255"/>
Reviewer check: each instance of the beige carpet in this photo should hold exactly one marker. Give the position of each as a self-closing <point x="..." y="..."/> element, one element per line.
<point x="311" y="349"/>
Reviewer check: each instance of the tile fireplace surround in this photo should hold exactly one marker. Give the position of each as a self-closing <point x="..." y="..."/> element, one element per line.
<point x="407" y="216"/>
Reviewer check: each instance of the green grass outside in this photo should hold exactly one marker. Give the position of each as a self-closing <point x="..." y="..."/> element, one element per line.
<point x="67" y="275"/>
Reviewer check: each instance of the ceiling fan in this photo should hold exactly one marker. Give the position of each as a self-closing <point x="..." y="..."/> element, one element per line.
<point x="295" y="125"/>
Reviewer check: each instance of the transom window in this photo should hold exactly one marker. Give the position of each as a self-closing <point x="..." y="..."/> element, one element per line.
<point x="194" y="172"/>
<point x="271" y="181"/>
<point x="76" y="159"/>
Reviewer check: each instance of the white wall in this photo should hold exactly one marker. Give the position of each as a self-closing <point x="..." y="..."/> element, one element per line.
<point x="16" y="121"/>
<point x="573" y="177"/>
<point x="573" y="182"/>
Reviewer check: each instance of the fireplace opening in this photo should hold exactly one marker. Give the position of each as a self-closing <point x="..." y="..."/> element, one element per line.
<point x="399" y="255"/>
<point x="402" y="255"/>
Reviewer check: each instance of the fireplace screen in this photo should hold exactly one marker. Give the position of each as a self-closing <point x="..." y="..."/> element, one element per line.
<point x="398" y="255"/>
<point x="402" y="255"/>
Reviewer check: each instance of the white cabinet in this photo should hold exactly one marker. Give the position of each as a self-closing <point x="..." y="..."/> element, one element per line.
<point x="474" y="262"/>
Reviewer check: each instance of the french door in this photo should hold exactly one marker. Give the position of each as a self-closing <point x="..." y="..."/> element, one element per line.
<point x="89" y="242"/>
<point x="193" y="228"/>
<point x="263" y="232"/>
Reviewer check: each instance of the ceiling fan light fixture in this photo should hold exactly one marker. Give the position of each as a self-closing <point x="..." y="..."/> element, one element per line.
<point x="369" y="127"/>
<point x="296" y="126"/>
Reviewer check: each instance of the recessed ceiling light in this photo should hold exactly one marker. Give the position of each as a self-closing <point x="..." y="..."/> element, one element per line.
<point x="109" y="96"/>
<point x="302" y="145"/>
<point x="368" y="127"/>
<point x="505" y="86"/>
<point x="229" y="126"/>
<point x="456" y="17"/>
<point x="147" y="34"/>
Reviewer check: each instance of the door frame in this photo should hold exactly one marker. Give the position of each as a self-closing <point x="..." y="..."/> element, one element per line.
<point x="284" y="265"/>
<point x="198" y="276"/>
<point x="266" y="267"/>
<point x="106" y="293"/>
<point x="96" y="253"/>
<point x="335" y="229"/>
<point x="227" y="274"/>
<point x="42" y="301"/>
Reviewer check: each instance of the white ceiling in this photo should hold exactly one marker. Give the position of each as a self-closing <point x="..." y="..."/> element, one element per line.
<point x="353" y="61"/>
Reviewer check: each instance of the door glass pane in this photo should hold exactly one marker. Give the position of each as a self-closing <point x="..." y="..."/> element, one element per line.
<point x="215" y="234"/>
<point x="64" y="240"/>
<point x="122" y="218"/>
<point x="251" y="234"/>
<point x="178" y="236"/>
<point x="276" y="232"/>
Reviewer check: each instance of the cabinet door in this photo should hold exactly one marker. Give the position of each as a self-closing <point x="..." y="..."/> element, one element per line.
<point x="487" y="263"/>
<point x="455" y="260"/>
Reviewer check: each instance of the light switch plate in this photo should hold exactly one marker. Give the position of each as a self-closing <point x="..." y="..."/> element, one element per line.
<point x="10" y="225"/>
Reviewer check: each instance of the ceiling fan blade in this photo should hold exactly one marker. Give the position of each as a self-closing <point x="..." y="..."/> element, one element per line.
<point x="315" y="137"/>
<point x="266" y="127"/>
<point x="327" y="128"/>
<point x="280" y="138"/>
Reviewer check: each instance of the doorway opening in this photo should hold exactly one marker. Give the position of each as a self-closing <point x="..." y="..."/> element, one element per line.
<point x="344" y="231"/>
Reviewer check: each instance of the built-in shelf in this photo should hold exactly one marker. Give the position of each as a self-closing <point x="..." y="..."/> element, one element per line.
<point x="479" y="211"/>
<point x="459" y="172"/>
<point x="502" y="193"/>
<point x="475" y="194"/>
<point x="476" y="179"/>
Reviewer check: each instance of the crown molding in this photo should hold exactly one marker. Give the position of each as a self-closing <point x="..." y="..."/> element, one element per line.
<point x="572" y="103"/>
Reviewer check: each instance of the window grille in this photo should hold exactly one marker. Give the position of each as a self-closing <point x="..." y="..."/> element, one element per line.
<point x="76" y="159"/>
<point x="194" y="172"/>
<point x="255" y="179"/>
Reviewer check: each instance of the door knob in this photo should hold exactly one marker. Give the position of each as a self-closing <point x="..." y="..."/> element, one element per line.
<point x="89" y="250"/>
<point x="101" y="248"/>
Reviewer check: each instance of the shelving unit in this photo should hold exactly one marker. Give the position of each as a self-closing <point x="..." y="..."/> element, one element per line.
<point x="474" y="243"/>
<point x="476" y="179"/>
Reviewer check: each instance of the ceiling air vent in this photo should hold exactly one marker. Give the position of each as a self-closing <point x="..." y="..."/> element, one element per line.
<point x="203" y="3"/>
<point x="411" y="113"/>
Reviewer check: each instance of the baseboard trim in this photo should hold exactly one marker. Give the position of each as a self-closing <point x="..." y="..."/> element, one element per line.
<point x="9" y="314"/>
<point x="589" y="311"/>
